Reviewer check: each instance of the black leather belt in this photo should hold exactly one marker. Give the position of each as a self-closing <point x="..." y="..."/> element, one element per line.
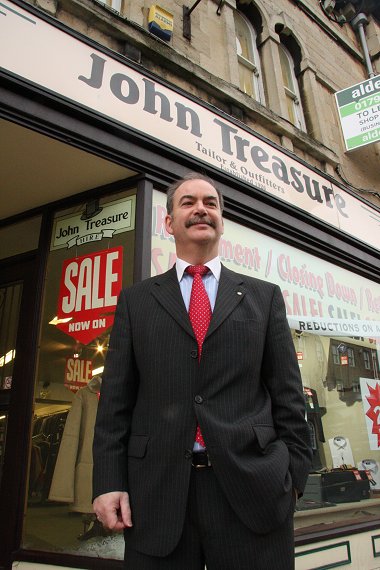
<point x="200" y="460"/>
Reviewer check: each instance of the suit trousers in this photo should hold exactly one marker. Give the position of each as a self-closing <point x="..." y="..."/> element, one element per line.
<point x="213" y="536"/>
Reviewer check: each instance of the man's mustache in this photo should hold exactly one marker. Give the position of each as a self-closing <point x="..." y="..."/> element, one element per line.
<point x="200" y="220"/>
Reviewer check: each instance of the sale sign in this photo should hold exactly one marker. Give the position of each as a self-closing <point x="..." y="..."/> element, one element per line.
<point x="78" y="373"/>
<point x="344" y="360"/>
<point x="88" y="293"/>
<point x="370" y="391"/>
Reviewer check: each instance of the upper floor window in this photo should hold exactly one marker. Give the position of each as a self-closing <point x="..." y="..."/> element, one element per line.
<point x="293" y="99"/>
<point x="114" y="4"/>
<point x="248" y="58"/>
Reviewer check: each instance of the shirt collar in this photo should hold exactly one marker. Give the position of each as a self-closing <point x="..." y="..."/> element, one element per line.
<point x="214" y="266"/>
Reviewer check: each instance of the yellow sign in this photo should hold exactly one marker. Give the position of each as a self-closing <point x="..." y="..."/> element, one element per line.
<point x="160" y="22"/>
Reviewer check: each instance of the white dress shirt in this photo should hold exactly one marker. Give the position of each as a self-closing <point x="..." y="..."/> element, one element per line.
<point x="210" y="280"/>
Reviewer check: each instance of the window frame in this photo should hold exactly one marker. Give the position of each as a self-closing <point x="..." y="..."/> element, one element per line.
<point x="253" y="66"/>
<point x="294" y="95"/>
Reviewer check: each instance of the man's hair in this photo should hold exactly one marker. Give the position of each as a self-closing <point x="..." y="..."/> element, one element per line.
<point x="190" y="176"/>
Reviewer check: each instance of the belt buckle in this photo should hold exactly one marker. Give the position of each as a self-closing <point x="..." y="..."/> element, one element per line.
<point x="202" y="466"/>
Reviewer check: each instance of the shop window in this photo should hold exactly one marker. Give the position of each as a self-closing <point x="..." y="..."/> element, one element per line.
<point x="291" y="89"/>
<point x="250" y="80"/>
<point x="91" y="258"/>
<point x="331" y="332"/>
<point x="83" y="277"/>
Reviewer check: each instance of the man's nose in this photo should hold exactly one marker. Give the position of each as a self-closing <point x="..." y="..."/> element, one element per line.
<point x="200" y="208"/>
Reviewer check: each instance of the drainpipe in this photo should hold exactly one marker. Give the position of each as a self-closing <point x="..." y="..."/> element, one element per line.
<point x="358" y="24"/>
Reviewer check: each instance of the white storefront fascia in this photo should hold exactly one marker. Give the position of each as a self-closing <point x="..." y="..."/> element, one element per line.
<point x="78" y="72"/>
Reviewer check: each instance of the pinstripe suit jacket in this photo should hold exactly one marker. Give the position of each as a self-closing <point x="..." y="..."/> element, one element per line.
<point x="250" y="407"/>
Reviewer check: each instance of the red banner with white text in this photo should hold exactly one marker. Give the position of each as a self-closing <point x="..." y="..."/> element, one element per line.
<point x="88" y="293"/>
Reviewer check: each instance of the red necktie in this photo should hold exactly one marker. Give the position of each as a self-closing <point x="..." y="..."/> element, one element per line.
<point x="200" y="315"/>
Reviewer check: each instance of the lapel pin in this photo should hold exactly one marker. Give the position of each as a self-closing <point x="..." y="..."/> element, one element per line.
<point x="239" y="292"/>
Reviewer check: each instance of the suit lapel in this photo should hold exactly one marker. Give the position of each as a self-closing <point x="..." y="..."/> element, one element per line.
<point x="231" y="292"/>
<point x="168" y="293"/>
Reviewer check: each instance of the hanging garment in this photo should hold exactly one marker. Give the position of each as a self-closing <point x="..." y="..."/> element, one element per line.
<point x="72" y="479"/>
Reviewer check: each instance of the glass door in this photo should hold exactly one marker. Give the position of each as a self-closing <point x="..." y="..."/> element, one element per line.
<point x="10" y="301"/>
<point x="18" y="326"/>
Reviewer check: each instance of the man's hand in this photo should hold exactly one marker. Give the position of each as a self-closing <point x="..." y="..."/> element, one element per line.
<point x="113" y="510"/>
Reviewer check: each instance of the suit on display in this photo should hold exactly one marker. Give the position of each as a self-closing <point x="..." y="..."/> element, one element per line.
<point x="72" y="480"/>
<point x="245" y="393"/>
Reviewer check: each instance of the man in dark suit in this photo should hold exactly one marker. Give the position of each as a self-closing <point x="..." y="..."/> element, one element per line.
<point x="201" y="446"/>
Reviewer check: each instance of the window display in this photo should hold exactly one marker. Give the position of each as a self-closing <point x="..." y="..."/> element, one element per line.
<point x="91" y="258"/>
<point x="334" y="318"/>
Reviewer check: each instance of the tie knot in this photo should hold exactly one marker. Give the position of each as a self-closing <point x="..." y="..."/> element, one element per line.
<point x="197" y="270"/>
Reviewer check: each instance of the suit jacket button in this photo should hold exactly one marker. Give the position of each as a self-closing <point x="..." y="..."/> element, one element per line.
<point x="188" y="454"/>
<point x="198" y="399"/>
<point x="194" y="354"/>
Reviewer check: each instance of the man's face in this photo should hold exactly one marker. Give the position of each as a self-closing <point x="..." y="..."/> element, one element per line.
<point x="196" y="218"/>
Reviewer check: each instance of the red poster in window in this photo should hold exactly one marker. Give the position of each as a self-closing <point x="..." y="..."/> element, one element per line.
<point x="78" y="373"/>
<point x="88" y="293"/>
<point x="344" y="360"/>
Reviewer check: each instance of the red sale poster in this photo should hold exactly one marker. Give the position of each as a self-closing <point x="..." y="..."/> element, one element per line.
<point x="88" y="293"/>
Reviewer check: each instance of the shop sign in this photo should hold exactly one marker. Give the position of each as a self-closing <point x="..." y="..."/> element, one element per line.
<point x="320" y="298"/>
<point x="109" y="87"/>
<point x="344" y="360"/>
<point x="88" y="293"/>
<point x="359" y="113"/>
<point x="370" y="392"/>
<point x="109" y="220"/>
<point x="78" y="373"/>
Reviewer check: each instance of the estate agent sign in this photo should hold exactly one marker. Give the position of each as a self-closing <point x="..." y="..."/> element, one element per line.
<point x="359" y="112"/>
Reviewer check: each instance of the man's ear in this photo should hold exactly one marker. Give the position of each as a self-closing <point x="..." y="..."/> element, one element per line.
<point x="168" y="224"/>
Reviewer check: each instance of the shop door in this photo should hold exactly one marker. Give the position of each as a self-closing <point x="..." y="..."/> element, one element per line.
<point x="10" y="301"/>
<point x="17" y="324"/>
